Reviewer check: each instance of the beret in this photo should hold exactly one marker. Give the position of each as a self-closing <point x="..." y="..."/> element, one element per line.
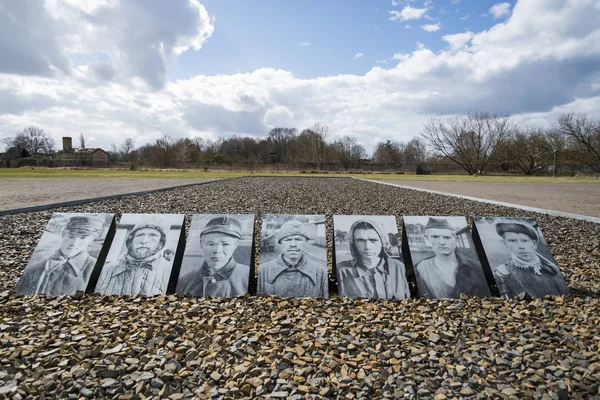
<point x="292" y="228"/>
<point x="516" y="227"/>
<point x="223" y="224"/>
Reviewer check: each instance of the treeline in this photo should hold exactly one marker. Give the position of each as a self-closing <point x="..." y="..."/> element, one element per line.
<point x="476" y="143"/>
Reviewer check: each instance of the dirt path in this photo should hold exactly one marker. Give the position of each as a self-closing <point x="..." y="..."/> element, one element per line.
<point x="577" y="198"/>
<point x="26" y="192"/>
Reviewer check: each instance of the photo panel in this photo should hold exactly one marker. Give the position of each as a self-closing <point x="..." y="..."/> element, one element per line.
<point x="515" y="251"/>
<point x="444" y="257"/>
<point x="70" y="249"/>
<point x="142" y="255"/>
<point x="218" y="255"/>
<point x="293" y="256"/>
<point x="367" y="257"/>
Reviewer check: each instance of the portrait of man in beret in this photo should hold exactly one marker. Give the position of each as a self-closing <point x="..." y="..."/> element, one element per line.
<point x="448" y="273"/>
<point x="219" y="274"/>
<point x="527" y="270"/>
<point x="371" y="272"/>
<point x="70" y="266"/>
<point x="294" y="272"/>
<point x="144" y="268"/>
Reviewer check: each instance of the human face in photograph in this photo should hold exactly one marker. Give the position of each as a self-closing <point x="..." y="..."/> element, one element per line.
<point x="442" y="240"/>
<point x="368" y="243"/>
<point x="217" y="249"/>
<point x="145" y="243"/>
<point x="520" y="245"/>
<point x="74" y="243"/>
<point x="293" y="247"/>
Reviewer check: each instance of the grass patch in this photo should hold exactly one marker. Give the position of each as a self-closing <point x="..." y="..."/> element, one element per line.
<point x="107" y="173"/>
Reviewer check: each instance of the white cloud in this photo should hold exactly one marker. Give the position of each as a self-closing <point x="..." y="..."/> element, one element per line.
<point x="357" y="56"/>
<point x="454" y="1"/>
<point x="500" y="10"/>
<point x="465" y="17"/>
<point x="304" y="44"/>
<point x="431" y="27"/>
<point x="407" y="13"/>
<point x="458" y="40"/>
<point x="523" y="66"/>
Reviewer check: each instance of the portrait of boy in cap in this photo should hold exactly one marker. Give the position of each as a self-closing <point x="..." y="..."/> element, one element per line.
<point x="371" y="271"/>
<point x="144" y="267"/>
<point x="294" y="272"/>
<point x="526" y="271"/>
<point x="448" y="272"/>
<point x="70" y="266"/>
<point x="219" y="274"/>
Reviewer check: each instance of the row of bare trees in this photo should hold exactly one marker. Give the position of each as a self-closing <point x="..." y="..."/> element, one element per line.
<point x="478" y="142"/>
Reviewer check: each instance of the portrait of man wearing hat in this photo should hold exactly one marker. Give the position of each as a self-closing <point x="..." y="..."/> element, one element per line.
<point x="371" y="272"/>
<point x="219" y="275"/>
<point x="294" y="273"/>
<point x="448" y="274"/>
<point x="527" y="270"/>
<point x="69" y="268"/>
<point x="145" y="267"/>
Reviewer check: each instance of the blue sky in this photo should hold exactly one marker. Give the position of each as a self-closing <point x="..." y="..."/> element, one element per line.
<point x="320" y="38"/>
<point x="375" y="70"/>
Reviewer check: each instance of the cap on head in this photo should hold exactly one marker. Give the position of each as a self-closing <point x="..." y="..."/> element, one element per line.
<point x="223" y="224"/>
<point x="292" y="228"/>
<point x="438" y="223"/>
<point x="516" y="227"/>
<point x="84" y="225"/>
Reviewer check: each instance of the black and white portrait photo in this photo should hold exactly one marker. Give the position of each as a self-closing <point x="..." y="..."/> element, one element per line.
<point x="66" y="254"/>
<point x="444" y="257"/>
<point x="367" y="257"/>
<point x="519" y="257"/>
<point x="141" y="255"/>
<point x="217" y="256"/>
<point x="293" y="256"/>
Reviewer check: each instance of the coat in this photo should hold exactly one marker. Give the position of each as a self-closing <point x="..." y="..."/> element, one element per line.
<point x="470" y="279"/>
<point x="231" y="280"/>
<point x="57" y="275"/>
<point x="307" y="279"/>
<point x="514" y="278"/>
<point x="386" y="281"/>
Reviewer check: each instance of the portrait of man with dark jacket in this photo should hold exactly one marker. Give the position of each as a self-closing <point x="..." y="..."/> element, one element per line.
<point x="69" y="268"/>
<point x="219" y="275"/>
<point x="448" y="274"/>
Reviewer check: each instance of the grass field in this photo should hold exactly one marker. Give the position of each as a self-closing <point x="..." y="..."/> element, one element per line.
<point x="104" y="173"/>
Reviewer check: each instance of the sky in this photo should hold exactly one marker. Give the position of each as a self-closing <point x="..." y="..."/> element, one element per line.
<point x="374" y="69"/>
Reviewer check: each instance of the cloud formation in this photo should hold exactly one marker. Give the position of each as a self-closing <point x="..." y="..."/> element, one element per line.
<point x="357" y="56"/>
<point x="500" y="10"/>
<point x="431" y="27"/>
<point x="78" y="83"/>
<point x="407" y="13"/>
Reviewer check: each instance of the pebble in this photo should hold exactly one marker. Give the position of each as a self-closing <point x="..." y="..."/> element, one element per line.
<point x="180" y="347"/>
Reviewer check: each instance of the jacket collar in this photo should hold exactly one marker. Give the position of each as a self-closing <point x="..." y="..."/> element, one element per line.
<point x="222" y="274"/>
<point x="361" y="270"/>
<point x="73" y="265"/>
<point x="302" y="267"/>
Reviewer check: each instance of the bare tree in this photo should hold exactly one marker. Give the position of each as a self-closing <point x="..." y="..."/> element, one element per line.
<point x="530" y="150"/>
<point x="348" y="150"/>
<point x="35" y="140"/>
<point x="583" y="137"/>
<point x="126" y="148"/>
<point x="316" y="140"/>
<point x="468" y="140"/>
<point x="388" y="153"/>
<point x="81" y="141"/>
<point x="281" y="140"/>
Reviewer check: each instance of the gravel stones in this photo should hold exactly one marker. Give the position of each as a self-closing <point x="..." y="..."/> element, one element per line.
<point x="182" y="347"/>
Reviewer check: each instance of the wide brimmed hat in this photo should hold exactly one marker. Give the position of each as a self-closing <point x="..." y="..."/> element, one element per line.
<point x="292" y="228"/>
<point x="223" y="224"/>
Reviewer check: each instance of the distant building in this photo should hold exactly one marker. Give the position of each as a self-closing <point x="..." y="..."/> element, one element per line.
<point x="70" y="157"/>
<point x="14" y="156"/>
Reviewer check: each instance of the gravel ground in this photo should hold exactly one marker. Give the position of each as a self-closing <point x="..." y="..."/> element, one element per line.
<point x="25" y="192"/>
<point x="180" y="347"/>
<point x="576" y="198"/>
